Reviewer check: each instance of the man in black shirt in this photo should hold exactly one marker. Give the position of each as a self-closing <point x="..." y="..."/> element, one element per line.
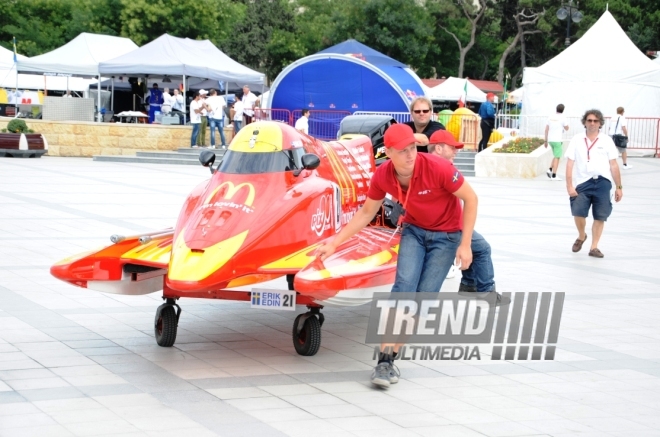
<point x="421" y="110"/>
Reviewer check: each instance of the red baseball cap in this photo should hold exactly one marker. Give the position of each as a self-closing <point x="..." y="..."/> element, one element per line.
<point x="399" y="136"/>
<point x="444" y="137"/>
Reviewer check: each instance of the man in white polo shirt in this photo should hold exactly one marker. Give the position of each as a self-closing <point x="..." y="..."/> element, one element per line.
<point x="592" y="155"/>
<point x="249" y="101"/>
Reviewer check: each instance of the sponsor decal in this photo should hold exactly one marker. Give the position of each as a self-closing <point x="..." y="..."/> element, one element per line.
<point x="456" y="176"/>
<point x="322" y="218"/>
<point x="273" y="299"/>
<point x="227" y="190"/>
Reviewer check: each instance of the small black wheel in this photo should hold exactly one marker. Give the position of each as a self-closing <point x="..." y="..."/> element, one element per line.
<point x="308" y="342"/>
<point x="165" y="328"/>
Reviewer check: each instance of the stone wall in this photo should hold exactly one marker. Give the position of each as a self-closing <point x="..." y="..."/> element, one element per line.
<point x="80" y="138"/>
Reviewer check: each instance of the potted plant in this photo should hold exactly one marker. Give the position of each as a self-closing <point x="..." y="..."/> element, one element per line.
<point x="17" y="140"/>
<point x="514" y="157"/>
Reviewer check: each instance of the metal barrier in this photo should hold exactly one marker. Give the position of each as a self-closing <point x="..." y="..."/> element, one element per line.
<point x="643" y="132"/>
<point x="283" y="115"/>
<point x="323" y="125"/>
<point x="400" y="117"/>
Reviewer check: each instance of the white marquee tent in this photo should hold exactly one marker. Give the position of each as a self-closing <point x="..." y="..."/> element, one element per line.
<point x="601" y="70"/>
<point x="657" y="60"/>
<point x="452" y="89"/>
<point x="171" y="56"/>
<point x="35" y="82"/>
<point x="80" y="56"/>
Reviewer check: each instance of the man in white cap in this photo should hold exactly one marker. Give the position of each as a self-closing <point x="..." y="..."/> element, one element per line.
<point x="201" y="139"/>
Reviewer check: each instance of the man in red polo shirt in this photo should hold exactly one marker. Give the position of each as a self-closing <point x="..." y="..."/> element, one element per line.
<point x="436" y="229"/>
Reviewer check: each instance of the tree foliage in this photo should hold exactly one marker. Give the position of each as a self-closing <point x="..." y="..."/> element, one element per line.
<point x="434" y="37"/>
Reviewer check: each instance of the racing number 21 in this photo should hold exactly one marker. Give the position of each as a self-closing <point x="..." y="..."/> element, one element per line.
<point x="287" y="300"/>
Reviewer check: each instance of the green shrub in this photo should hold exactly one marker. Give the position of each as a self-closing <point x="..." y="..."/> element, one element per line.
<point x="520" y="145"/>
<point x="17" y="126"/>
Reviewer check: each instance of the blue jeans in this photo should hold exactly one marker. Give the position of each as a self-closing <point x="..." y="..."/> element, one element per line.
<point x="237" y="126"/>
<point x="195" y="132"/>
<point x="424" y="259"/>
<point x="481" y="272"/>
<point x="213" y="122"/>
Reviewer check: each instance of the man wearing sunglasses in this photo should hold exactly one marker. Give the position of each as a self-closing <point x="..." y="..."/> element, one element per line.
<point x="421" y="110"/>
<point x="592" y="155"/>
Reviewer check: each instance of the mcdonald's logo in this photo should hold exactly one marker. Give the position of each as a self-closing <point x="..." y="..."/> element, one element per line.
<point x="228" y="190"/>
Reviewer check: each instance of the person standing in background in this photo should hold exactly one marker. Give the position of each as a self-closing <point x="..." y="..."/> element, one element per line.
<point x="201" y="139"/>
<point x="249" y="101"/>
<point x="238" y="115"/>
<point x="554" y="130"/>
<point x="155" y="101"/>
<point x="619" y="133"/>
<point x="302" y="124"/>
<point x="217" y="117"/>
<point x="195" y="118"/>
<point x="487" y="114"/>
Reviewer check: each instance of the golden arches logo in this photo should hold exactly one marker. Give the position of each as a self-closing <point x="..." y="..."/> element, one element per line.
<point x="231" y="191"/>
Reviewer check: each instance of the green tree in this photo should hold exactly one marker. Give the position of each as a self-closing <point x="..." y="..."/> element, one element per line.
<point x="254" y="41"/>
<point x="145" y="20"/>
<point x="401" y="29"/>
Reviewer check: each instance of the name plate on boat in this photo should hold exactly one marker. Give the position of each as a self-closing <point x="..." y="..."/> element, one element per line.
<point x="273" y="299"/>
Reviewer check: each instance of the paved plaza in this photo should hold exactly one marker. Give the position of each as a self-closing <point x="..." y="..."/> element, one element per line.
<point x="75" y="362"/>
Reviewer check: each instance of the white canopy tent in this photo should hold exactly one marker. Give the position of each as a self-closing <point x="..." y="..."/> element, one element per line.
<point x="79" y="57"/>
<point x="171" y="56"/>
<point x="602" y="70"/>
<point x="452" y="90"/>
<point x="8" y="77"/>
<point x="657" y="60"/>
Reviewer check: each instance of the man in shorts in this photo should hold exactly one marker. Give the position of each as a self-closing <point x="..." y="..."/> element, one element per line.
<point x="592" y="155"/>
<point x="554" y="131"/>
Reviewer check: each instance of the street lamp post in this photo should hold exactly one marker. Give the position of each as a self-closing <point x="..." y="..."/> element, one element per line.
<point x="569" y="10"/>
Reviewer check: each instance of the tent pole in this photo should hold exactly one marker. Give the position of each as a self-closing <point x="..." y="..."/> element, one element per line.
<point x="185" y="100"/>
<point x="16" y="90"/>
<point x="98" y="99"/>
<point x="112" y="96"/>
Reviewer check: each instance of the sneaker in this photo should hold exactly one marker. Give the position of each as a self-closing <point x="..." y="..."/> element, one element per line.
<point x="194" y="147"/>
<point x="464" y="288"/>
<point x="549" y="173"/>
<point x="394" y="374"/>
<point x="493" y="297"/>
<point x="211" y="147"/>
<point x="627" y="166"/>
<point x="452" y="272"/>
<point x="380" y="377"/>
<point x="557" y="178"/>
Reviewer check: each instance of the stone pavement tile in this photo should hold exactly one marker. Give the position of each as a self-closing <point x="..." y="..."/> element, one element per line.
<point x="262" y="403"/>
<point x="37" y="383"/>
<point x="336" y="411"/>
<point x="25" y="420"/>
<point x="289" y="389"/>
<point x="109" y="389"/>
<point x="342" y="387"/>
<point x="303" y="428"/>
<point x="81" y="415"/>
<point x="501" y="429"/>
<point x="106" y="427"/>
<point x="44" y="394"/>
<point x="280" y="414"/>
<point x="38" y="431"/>
<point x="446" y="431"/>
<point x="238" y="393"/>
